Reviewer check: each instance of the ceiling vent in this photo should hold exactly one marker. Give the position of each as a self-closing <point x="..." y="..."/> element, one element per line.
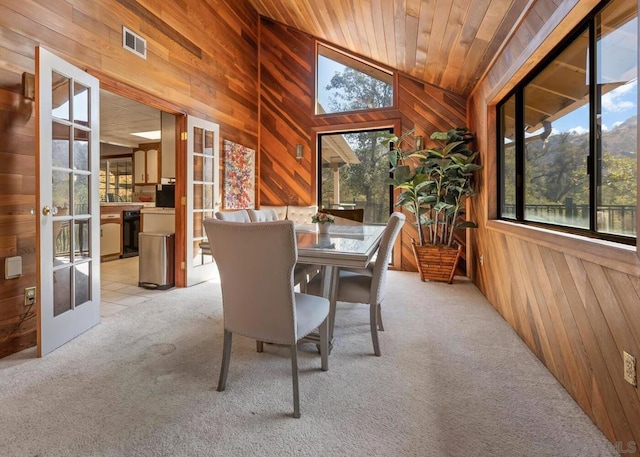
<point x="134" y="43"/>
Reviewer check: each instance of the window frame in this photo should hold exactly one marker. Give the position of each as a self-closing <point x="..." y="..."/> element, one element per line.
<point x="589" y="24"/>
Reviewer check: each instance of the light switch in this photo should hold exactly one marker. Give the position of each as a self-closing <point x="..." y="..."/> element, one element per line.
<point x="12" y="267"/>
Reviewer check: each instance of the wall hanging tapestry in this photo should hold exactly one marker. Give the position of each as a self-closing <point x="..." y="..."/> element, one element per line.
<point x="239" y="176"/>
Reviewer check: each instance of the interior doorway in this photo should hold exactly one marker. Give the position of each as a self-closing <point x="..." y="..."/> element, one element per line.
<point x="137" y="164"/>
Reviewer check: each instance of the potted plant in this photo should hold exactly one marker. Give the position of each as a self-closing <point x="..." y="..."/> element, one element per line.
<point x="435" y="191"/>
<point x="323" y="220"/>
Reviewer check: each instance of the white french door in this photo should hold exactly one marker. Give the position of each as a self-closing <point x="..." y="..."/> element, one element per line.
<point x="203" y="183"/>
<point x="68" y="205"/>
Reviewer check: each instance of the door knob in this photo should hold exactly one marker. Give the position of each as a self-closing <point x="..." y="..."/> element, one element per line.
<point x="46" y="210"/>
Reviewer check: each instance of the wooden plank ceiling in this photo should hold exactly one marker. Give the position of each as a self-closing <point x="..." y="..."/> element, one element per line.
<point x="447" y="43"/>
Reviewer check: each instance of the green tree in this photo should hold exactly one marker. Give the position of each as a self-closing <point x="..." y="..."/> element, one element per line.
<point x="557" y="169"/>
<point x="353" y="90"/>
<point x="619" y="180"/>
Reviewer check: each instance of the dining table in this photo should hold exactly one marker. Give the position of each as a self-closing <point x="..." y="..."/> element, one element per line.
<point x="343" y="246"/>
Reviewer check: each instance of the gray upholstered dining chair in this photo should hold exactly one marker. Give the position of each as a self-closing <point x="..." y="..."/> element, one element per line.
<point x="365" y="285"/>
<point x="281" y="210"/>
<point x="302" y="272"/>
<point x="262" y="215"/>
<point x="268" y="309"/>
<point x="241" y="215"/>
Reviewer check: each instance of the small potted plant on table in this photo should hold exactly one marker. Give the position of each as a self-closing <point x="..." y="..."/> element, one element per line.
<point x="323" y="220"/>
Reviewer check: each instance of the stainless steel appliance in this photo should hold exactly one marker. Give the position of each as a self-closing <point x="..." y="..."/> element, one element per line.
<point x="157" y="260"/>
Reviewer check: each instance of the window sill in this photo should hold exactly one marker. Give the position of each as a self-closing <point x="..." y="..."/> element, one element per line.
<point x="612" y="255"/>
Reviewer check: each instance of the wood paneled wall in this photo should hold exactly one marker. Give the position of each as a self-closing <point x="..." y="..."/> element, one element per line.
<point x="574" y="302"/>
<point x="202" y="60"/>
<point x="17" y="228"/>
<point x="287" y="97"/>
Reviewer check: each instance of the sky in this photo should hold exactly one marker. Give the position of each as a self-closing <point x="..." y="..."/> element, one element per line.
<point x="618" y="105"/>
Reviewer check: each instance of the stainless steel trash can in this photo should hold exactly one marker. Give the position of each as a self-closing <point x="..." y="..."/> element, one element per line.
<point x="156" y="263"/>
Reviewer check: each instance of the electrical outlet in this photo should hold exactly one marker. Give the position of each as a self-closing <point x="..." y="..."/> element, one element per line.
<point x="630" y="374"/>
<point x="29" y="296"/>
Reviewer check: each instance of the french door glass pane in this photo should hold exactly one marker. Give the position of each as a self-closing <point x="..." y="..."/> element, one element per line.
<point x="198" y="162"/>
<point x="81" y="244"/>
<point x="208" y="142"/>
<point x="61" y="181"/>
<point x="198" y="140"/>
<point x="208" y="169"/>
<point x="61" y="290"/>
<point x="61" y="141"/>
<point x="197" y="225"/>
<point x="61" y="241"/>
<point x="80" y="195"/>
<point x="82" y="283"/>
<point x="197" y="196"/>
<point x="60" y="96"/>
<point x="80" y="104"/>
<point x="81" y="150"/>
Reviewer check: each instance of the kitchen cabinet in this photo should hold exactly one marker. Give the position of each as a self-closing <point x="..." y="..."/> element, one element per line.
<point x="110" y="235"/>
<point x="146" y="166"/>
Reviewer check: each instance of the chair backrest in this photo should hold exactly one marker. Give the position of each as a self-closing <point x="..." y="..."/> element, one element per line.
<point x="240" y="215"/>
<point x="379" y="280"/>
<point x="262" y="215"/>
<point x="301" y="214"/>
<point x="256" y="263"/>
<point x="281" y="211"/>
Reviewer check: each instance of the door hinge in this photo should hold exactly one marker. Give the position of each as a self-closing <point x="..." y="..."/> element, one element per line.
<point x="183" y="200"/>
<point x="182" y="265"/>
<point x="183" y="136"/>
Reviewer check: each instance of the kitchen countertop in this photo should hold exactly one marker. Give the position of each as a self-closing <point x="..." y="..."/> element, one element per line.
<point x="141" y="204"/>
<point x="167" y="211"/>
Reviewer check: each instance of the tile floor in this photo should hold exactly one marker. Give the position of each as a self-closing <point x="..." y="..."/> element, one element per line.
<point x="119" y="286"/>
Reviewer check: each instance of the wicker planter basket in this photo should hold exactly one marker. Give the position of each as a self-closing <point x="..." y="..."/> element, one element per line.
<point x="437" y="263"/>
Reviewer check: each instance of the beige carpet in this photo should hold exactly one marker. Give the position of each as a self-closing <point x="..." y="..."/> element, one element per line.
<point x="453" y="380"/>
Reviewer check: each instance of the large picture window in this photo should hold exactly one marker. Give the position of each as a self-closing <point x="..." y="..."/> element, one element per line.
<point x="568" y="149"/>
<point x="354" y="174"/>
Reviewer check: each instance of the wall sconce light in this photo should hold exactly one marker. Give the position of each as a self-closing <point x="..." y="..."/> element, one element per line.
<point x="419" y="143"/>
<point x="299" y="152"/>
<point x="29" y="85"/>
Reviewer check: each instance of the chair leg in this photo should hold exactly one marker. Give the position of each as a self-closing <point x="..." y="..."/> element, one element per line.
<point x="380" y="326"/>
<point x="294" y="375"/>
<point x="373" y="317"/>
<point x="324" y="344"/>
<point x="333" y="300"/>
<point x="259" y="346"/>
<point x="226" y="355"/>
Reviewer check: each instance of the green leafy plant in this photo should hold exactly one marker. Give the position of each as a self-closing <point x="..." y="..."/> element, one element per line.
<point x="435" y="189"/>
